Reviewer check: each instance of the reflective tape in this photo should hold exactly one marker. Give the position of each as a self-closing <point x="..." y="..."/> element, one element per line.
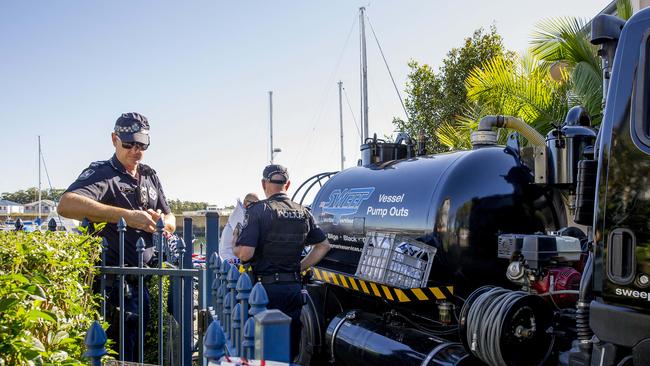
<point x="383" y="291"/>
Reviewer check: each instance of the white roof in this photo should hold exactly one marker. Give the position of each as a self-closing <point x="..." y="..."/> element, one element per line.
<point x="9" y="203"/>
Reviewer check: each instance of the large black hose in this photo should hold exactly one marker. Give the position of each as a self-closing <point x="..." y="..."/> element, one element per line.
<point x="484" y="322"/>
<point x="507" y="328"/>
<point x="582" y="313"/>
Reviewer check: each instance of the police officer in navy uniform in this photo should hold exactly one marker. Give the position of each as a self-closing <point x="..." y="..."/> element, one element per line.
<point x="122" y="187"/>
<point x="272" y="239"/>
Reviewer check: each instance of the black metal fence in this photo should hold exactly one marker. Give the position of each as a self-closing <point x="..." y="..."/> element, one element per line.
<point x="229" y="313"/>
<point x="182" y="276"/>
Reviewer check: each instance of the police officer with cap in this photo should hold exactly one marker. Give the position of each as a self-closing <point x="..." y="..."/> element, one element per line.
<point x="122" y="187"/>
<point x="272" y="239"/>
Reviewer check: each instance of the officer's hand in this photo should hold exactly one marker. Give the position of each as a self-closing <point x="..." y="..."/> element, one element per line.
<point x="141" y="220"/>
<point x="156" y="215"/>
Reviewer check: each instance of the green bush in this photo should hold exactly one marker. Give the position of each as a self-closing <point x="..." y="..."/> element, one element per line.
<point x="46" y="302"/>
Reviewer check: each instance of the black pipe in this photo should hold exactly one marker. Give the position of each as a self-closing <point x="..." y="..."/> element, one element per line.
<point x="360" y="338"/>
<point x="582" y="314"/>
<point x="421" y="144"/>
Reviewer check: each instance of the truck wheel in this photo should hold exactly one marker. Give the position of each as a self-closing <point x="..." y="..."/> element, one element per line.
<point x="309" y="335"/>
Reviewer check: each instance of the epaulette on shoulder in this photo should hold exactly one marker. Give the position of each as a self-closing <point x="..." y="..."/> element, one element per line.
<point x="99" y="163"/>
<point x="146" y="170"/>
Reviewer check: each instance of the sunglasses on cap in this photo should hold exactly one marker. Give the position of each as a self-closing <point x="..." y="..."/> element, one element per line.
<point x="131" y="145"/>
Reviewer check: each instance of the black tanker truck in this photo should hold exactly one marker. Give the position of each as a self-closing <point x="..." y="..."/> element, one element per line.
<point x="499" y="255"/>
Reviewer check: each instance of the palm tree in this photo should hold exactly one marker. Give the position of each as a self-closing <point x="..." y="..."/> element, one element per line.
<point x="523" y="86"/>
<point x="520" y="86"/>
<point x="564" y="42"/>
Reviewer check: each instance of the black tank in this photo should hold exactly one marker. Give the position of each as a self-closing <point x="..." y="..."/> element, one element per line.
<point x="457" y="202"/>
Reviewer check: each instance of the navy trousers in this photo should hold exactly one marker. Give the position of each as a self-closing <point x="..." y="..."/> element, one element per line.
<point x="286" y="297"/>
<point x="130" y="318"/>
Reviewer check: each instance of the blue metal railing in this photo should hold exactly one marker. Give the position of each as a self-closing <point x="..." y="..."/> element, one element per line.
<point x="182" y="276"/>
<point x="224" y="337"/>
<point x="230" y="315"/>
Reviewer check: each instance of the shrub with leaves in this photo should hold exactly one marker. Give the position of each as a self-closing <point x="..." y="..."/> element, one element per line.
<point x="46" y="302"/>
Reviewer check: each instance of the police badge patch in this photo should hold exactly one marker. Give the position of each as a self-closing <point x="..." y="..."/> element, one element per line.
<point x="153" y="194"/>
<point x="85" y="174"/>
<point x="143" y="195"/>
<point x="245" y="222"/>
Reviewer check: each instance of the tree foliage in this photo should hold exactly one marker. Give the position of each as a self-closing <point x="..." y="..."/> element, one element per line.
<point x="433" y="98"/>
<point x="520" y="87"/>
<point x="564" y="43"/>
<point x="177" y="206"/>
<point x="31" y="194"/>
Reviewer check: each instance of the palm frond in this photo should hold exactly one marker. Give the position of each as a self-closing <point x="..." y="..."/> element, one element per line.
<point x="564" y="39"/>
<point x="624" y="9"/>
<point x="522" y="88"/>
<point x="588" y="88"/>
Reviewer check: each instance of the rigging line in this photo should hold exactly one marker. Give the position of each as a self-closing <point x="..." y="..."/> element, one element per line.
<point x="387" y="67"/>
<point x="347" y="100"/>
<point x="47" y="175"/>
<point x="49" y="182"/>
<point x="317" y="116"/>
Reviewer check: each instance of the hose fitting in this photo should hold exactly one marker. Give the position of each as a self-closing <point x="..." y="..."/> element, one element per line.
<point x="484" y="135"/>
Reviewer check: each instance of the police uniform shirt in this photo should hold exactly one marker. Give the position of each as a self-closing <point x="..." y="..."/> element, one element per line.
<point x="109" y="183"/>
<point x="257" y="223"/>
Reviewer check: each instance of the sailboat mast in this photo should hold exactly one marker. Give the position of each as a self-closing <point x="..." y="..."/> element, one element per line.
<point x="341" y="122"/>
<point x="364" y="74"/>
<point x="39" y="177"/>
<point x="271" y="123"/>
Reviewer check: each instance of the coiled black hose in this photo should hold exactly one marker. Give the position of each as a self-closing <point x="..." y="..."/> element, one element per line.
<point x="582" y="306"/>
<point x="485" y="321"/>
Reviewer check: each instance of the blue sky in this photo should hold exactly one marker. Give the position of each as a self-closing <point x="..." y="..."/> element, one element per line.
<point x="201" y="72"/>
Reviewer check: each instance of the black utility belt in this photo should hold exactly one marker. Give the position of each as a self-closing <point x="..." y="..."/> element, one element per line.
<point x="278" y="277"/>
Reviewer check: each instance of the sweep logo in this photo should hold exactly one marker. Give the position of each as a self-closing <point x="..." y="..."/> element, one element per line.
<point x="346" y="202"/>
<point x="632" y="293"/>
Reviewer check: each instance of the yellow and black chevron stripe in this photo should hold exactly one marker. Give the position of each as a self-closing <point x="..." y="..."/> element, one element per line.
<point x="384" y="291"/>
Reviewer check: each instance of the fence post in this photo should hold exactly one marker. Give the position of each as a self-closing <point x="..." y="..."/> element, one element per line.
<point x="51" y="225"/>
<point x="214" y="343"/>
<point x="187" y="294"/>
<point x="272" y="336"/>
<point x="215" y="267"/>
<point x="258" y="300"/>
<point x="121" y="229"/>
<point x="221" y="292"/>
<point x="85" y="223"/>
<point x="95" y="341"/>
<point x="236" y="329"/>
<point x="211" y="242"/>
<point x="248" y="344"/>
<point x="102" y="283"/>
<point x="233" y="276"/>
<point x="227" y="306"/>
<point x="160" y="226"/>
<point x="18" y="225"/>
<point x="139" y="248"/>
<point x="244" y="287"/>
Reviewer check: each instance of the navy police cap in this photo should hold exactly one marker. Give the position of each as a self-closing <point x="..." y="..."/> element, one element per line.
<point x="278" y="171"/>
<point x="132" y="127"/>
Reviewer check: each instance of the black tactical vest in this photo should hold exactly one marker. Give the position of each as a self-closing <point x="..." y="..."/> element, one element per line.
<point x="282" y="246"/>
